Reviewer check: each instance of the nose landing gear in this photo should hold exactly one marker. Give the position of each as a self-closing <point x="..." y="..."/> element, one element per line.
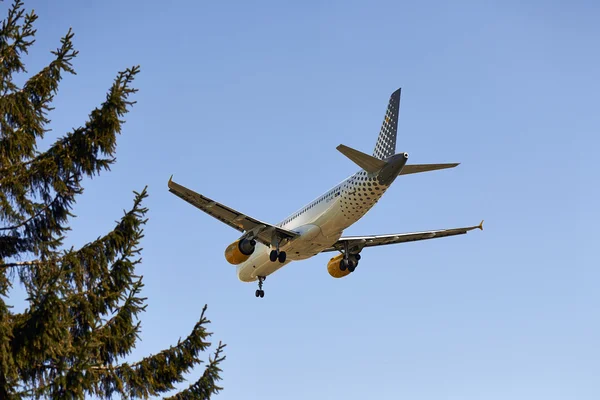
<point x="259" y="292"/>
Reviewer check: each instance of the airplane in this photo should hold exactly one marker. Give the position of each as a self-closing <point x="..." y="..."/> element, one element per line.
<point x="264" y="248"/>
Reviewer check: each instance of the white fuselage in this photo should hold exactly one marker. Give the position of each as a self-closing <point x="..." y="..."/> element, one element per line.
<point x="320" y="224"/>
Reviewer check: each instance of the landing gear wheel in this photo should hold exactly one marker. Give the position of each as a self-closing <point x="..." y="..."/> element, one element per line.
<point x="262" y="294"/>
<point x="257" y="293"/>
<point x="273" y="255"/>
<point x="282" y="256"/>
<point x="351" y="266"/>
<point x="357" y="256"/>
<point x="343" y="265"/>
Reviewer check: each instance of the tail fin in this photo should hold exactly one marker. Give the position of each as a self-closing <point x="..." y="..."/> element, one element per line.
<point x="386" y="143"/>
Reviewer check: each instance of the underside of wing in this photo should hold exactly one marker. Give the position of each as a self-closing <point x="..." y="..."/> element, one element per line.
<point x="357" y="243"/>
<point x="235" y="219"/>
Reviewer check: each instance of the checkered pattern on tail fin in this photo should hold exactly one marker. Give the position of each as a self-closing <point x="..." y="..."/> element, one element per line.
<point x="386" y="143"/>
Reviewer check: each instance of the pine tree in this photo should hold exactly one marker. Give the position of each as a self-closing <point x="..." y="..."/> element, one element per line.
<point x="83" y="305"/>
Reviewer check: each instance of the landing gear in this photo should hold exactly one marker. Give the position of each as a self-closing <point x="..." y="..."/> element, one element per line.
<point x="277" y="255"/>
<point x="349" y="264"/>
<point x="350" y="261"/>
<point x="259" y="292"/>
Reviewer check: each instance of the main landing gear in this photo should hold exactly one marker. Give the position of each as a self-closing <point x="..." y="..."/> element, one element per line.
<point x="350" y="261"/>
<point x="259" y="292"/>
<point x="277" y="255"/>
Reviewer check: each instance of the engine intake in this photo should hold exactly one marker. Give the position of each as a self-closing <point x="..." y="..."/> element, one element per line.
<point x="239" y="251"/>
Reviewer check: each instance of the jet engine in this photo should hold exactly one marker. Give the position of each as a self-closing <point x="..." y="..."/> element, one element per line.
<point x="239" y="251"/>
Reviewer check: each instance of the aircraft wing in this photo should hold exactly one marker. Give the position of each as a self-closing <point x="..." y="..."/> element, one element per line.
<point x="235" y="219"/>
<point x="357" y="243"/>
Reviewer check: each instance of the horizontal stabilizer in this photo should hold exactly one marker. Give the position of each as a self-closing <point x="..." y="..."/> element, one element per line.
<point x="416" y="168"/>
<point x="365" y="161"/>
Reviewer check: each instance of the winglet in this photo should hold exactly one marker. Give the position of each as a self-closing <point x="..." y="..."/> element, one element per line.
<point x="170" y="180"/>
<point x="480" y="226"/>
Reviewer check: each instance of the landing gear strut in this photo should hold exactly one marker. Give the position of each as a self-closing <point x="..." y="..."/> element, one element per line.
<point x="259" y="292"/>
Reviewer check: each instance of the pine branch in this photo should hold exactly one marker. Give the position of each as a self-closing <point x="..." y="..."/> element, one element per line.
<point x="152" y="375"/>
<point x="70" y="295"/>
<point x="58" y="172"/>
<point x="41" y="231"/>
<point x="20" y="130"/>
<point x="14" y="40"/>
<point x="206" y="386"/>
<point x="156" y="374"/>
<point x="34" y="216"/>
<point x="117" y="336"/>
<point x="21" y="264"/>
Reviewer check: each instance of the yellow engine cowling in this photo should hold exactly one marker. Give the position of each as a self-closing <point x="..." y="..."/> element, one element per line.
<point x="333" y="267"/>
<point x="239" y="251"/>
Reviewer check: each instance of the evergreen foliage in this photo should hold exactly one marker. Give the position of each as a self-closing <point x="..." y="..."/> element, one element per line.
<point x="83" y="305"/>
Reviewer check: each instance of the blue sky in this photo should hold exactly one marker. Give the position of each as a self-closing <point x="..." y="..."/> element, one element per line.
<point x="245" y="102"/>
